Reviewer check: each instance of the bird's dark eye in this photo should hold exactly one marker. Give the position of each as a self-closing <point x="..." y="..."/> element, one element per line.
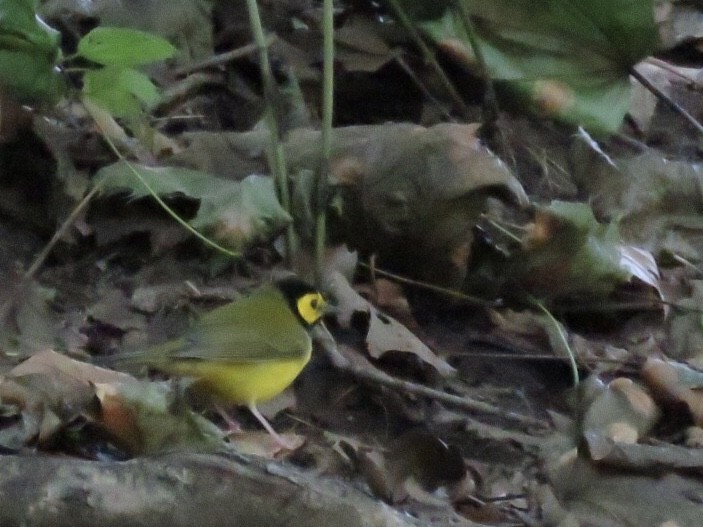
<point x="313" y="303"/>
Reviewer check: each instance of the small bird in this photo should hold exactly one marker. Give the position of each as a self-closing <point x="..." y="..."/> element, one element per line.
<point x="244" y="352"/>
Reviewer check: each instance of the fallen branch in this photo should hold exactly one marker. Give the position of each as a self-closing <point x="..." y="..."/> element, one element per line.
<point x="363" y="370"/>
<point x="180" y="490"/>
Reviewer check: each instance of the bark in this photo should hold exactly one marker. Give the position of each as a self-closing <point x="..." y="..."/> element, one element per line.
<point x="179" y="490"/>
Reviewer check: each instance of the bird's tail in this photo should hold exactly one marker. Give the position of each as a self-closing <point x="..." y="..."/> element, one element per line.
<point x="139" y="361"/>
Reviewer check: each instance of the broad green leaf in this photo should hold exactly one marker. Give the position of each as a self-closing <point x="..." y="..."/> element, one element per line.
<point x="235" y="214"/>
<point x="116" y="46"/>
<point x="124" y="92"/>
<point x="566" y="59"/>
<point x="187" y="24"/>
<point x="28" y="53"/>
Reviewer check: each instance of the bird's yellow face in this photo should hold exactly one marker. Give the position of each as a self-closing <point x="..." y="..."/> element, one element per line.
<point x="311" y="307"/>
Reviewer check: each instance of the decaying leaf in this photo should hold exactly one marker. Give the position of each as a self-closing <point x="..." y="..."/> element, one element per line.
<point x="48" y="391"/>
<point x="567" y="251"/>
<point x="409" y="194"/>
<point x="657" y="200"/>
<point x="390" y="297"/>
<point x="384" y="333"/>
<point x="114" y="308"/>
<point x="28" y="322"/>
<point x="641" y="265"/>
<point x="234" y="214"/>
<point x="359" y="47"/>
<point x="605" y="355"/>
<point x="146" y="418"/>
<point x="622" y="412"/>
<point x="262" y="444"/>
<point x="621" y="483"/>
<point x="528" y="327"/>
<point x="151" y="298"/>
<point x="644" y="102"/>
<point x="564" y="253"/>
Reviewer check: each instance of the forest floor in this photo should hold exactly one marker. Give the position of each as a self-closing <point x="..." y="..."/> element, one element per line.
<point x="448" y="396"/>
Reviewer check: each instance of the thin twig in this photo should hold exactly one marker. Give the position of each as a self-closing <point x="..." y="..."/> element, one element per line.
<point x="6" y="306"/>
<point x="490" y="101"/>
<point x="434" y="288"/>
<point x="361" y="369"/>
<point x="155" y="195"/>
<point x="666" y="99"/>
<point x="671" y="69"/>
<point x="42" y="256"/>
<point x="224" y="58"/>
<point x="429" y="57"/>
<point x="424" y="89"/>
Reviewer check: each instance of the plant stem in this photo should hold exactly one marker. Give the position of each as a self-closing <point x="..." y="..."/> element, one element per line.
<point x="451" y="293"/>
<point x="70" y="220"/>
<point x="429" y="57"/>
<point x="321" y="185"/>
<point x="91" y="109"/>
<point x="490" y="101"/>
<point x="563" y="340"/>
<point x="659" y="94"/>
<point x="277" y="159"/>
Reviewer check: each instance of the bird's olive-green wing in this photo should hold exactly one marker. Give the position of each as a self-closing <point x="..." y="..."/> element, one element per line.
<point x="258" y="328"/>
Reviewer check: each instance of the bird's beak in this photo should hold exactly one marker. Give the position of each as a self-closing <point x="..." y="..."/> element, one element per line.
<point x="331" y="309"/>
<point x="324" y="339"/>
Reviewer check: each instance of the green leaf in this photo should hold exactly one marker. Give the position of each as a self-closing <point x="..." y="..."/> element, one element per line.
<point x="124" y="92"/>
<point x="234" y="214"/>
<point x="114" y="46"/>
<point x="565" y="59"/>
<point x="28" y="53"/>
<point x="570" y="252"/>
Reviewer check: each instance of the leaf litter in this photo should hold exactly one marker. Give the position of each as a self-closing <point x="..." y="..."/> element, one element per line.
<point x="431" y="201"/>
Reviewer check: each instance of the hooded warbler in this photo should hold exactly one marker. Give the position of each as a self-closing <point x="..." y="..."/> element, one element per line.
<point x="246" y="351"/>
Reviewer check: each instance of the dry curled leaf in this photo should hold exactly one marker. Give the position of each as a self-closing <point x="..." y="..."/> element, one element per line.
<point x="49" y="390"/>
<point x="384" y="333"/>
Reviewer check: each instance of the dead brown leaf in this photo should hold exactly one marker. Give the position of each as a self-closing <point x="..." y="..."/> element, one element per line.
<point x="49" y="390"/>
<point x="384" y="333"/>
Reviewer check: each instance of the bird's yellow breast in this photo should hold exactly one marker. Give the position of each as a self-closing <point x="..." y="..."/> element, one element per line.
<point x="241" y="382"/>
